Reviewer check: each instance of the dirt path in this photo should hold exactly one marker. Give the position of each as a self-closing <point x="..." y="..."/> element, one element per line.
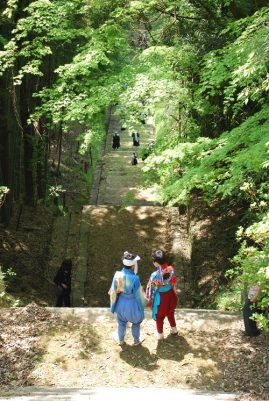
<point x="73" y="348"/>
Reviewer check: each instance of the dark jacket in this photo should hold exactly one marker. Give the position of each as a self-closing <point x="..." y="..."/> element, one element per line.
<point x="63" y="276"/>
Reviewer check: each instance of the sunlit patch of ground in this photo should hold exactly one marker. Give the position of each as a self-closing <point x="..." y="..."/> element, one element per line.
<point x="45" y="350"/>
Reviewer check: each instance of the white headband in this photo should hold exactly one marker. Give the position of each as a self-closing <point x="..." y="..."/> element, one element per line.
<point x="130" y="262"/>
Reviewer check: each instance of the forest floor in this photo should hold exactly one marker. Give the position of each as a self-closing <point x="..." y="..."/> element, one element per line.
<point x="38" y="348"/>
<point x="25" y="243"/>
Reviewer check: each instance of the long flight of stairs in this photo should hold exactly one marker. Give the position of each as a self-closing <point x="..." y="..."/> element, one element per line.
<point x="95" y="240"/>
<point x="121" y="215"/>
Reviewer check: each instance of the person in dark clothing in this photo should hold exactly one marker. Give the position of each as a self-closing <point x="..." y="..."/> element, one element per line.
<point x="134" y="159"/>
<point x="115" y="141"/>
<point x="249" y="309"/>
<point x="136" y="138"/>
<point x="63" y="281"/>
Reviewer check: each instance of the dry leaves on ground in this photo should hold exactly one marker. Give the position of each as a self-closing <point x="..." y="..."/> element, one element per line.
<point x="37" y="348"/>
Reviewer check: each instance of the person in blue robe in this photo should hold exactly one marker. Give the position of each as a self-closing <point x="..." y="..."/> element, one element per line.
<point x="127" y="299"/>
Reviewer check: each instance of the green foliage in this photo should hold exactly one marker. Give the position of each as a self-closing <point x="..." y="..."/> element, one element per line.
<point x="55" y="191"/>
<point x="201" y="75"/>
<point x="159" y="85"/>
<point x="229" y="298"/>
<point x="55" y="195"/>
<point x="61" y="210"/>
<point x="222" y="167"/>
<point x="225" y="90"/>
<point x="252" y="267"/>
<point x="3" y="192"/>
<point x="35" y="36"/>
<point x="11" y="8"/>
<point x="237" y="73"/>
<point x="7" y="300"/>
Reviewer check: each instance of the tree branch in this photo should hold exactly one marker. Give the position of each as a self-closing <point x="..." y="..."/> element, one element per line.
<point x="177" y="17"/>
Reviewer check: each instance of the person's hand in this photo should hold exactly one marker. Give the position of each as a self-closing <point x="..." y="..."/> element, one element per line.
<point x="64" y="285"/>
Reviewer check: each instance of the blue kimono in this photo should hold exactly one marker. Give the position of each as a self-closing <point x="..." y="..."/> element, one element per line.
<point x="126" y="296"/>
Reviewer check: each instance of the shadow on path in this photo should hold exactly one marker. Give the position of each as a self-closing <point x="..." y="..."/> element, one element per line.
<point x="173" y="347"/>
<point x="139" y="357"/>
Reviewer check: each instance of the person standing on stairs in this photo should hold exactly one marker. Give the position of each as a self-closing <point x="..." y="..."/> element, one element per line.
<point x="134" y="159"/>
<point x="127" y="299"/>
<point x="136" y="138"/>
<point x="161" y="293"/>
<point x="115" y="141"/>
<point x="63" y="281"/>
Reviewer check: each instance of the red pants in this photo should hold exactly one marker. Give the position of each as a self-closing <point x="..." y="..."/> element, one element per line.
<point x="166" y="309"/>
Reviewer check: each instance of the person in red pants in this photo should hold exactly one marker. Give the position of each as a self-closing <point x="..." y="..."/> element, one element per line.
<point x="161" y="293"/>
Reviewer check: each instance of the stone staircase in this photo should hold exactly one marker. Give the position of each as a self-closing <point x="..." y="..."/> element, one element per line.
<point x="96" y="238"/>
<point x="116" y="178"/>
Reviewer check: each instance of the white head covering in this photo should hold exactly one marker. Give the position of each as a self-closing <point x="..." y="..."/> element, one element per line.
<point x="130" y="259"/>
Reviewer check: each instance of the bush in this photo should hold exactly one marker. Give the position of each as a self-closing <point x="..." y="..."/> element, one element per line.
<point x="6" y="300"/>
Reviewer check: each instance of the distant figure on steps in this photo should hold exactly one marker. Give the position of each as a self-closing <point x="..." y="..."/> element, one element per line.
<point x="134" y="159"/>
<point x="136" y="138"/>
<point x="63" y="283"/>
<point x="127" y="299"/>
<point x="161" y="293"/>
<point x="115" y="141"/>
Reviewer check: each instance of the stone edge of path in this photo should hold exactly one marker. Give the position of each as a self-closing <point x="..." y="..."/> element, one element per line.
<point x="191" y="318"/>
<point x="112" y="393"/>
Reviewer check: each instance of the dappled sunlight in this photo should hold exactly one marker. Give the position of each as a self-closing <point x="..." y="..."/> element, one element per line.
<point x="109" y="231"/>
<point x="21" y="349"/>
<point x="76" y="349"/>
<point x="212" y="230"/>
<point x="204" y="280"/>
<point x="61" y="359"/>
<point x="118" y="176"/>
<point x="18" y="246"/>
<point x="142" y="213"/>
<point x="132" y="107"/>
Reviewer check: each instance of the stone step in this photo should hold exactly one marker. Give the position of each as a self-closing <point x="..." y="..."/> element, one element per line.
<point x="58" y="244"/>
<point x="113" y="394"/>
<point x="110" y="231"/>
<point x="73" y="234"/>
<point x="81" y="271"/>
<point x="204" y="319"/>
<point x="115" y="177"/>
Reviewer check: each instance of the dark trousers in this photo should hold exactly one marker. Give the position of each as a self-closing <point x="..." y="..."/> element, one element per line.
<point x="251" y="328"/>
<point x="63" y="297"/>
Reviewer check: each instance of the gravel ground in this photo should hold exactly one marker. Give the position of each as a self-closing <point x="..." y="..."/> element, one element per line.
<point x="38" y="348"/>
